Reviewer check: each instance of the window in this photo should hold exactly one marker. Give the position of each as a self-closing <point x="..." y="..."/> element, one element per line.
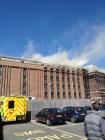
<point x="24" y="88"/>
<point x="65" y="109"/>
<point x="0" y="73"/>
<point x="64" y="95"/>
<point x="91" y="76"/>
<point x="24" y="71"/>
<point x="57" y="78"/>
<point x="11" y="104"/>
<point x="0" y="70"/>
<point x="24" y="85"/>
<point x="46" y="111"/>
<point x="72" y="72"/>
<point x="46" y="94"/>
<point x="24" y="92"/>
<point x="55" y="110"/>
<point x="51" y="78"/>
<point x="45" y="72"/>
<point x="75" y="95"/>
<point x="68" y="87"/>
<point x="58" y="95"/>
<point x="78" y="79"/>
<point x="24" y="78"/>
<point x="79" y="94"/>
<point x="51" y="69"/>
<point x="73" y="79"/>
<point x="68" y="79"/>
<point x="57" y="70"/>
<point x="45" y="86"/>
<point x="45" y="77"/>
<point x="63" y="86"/>
<point x="69" y="93"/>
<point x="52" y="95"/>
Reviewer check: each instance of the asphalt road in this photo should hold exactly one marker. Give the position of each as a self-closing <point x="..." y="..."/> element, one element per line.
<point x="38" y="131"/>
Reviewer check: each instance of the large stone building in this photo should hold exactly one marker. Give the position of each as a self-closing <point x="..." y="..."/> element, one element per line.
<point x="96" y="83"/>
<point x="22" y="77"/>
<point x="43" y="81"/>
<point x="18" y="77"/>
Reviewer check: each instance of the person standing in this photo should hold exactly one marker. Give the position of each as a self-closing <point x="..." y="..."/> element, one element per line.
<point x="94" y="124"/>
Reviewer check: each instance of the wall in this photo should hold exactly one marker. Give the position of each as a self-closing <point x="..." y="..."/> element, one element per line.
<point x="35" y="105"/>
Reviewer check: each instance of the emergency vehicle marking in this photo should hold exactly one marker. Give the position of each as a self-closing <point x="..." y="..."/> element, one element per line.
<point x="18" y="109"/>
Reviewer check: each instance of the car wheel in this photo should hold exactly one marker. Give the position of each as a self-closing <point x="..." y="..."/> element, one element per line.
<point x="64" y="122"/>
<point x="73" y="119"/>
<point x="49" y="122"/>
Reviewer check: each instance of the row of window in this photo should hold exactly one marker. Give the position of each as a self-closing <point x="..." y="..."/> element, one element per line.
<point x="64" y="95"/>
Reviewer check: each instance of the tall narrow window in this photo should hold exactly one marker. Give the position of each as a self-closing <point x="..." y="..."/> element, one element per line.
<point x="24" y="81"/>
<point x="0" y="74"/>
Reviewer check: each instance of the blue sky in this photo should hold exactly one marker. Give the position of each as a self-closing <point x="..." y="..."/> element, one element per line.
<point x="54" y="31"/>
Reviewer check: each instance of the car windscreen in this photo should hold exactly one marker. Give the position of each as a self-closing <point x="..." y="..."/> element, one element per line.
<point x="100" y="108"/>
<point x="79" y="108"/>
<point x="56" y="111"/>
<point x="103" y="107"/>
<point x="87" y="108"/>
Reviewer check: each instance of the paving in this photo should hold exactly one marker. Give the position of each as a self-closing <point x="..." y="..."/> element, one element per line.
<point x="38" y="131"/>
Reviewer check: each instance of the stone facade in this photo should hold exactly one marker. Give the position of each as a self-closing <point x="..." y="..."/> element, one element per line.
<point x="22" y="77"/>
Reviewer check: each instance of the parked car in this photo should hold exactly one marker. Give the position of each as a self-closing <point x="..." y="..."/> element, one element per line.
<point x="101" y="111"/>
<point x="74" y="114"/>
<point x="87" y="109"/>
<point x="50" y="116"/>
<point x="103" y="106"/>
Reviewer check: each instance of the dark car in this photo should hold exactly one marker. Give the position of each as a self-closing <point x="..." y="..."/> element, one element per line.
<point x="103" y="106"/>
<point x="88" y="109"/>
<point x="74" y="114"/>
<point x="50" y="116"/>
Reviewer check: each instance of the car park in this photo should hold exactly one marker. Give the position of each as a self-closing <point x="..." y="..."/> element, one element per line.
<point x="50" y="116"/>
<point x="74" y="114"/>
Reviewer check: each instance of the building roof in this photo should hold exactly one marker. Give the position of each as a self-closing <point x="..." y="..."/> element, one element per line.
<point x="8" y="58"/>
<point x="93" y="68"/>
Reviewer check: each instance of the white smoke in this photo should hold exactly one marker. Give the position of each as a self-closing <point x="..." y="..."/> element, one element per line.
<point x="92" y="51"/>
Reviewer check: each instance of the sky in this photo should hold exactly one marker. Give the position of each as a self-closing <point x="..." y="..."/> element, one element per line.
<point x="66" y="32"/>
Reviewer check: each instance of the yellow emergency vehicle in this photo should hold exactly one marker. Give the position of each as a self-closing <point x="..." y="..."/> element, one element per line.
<point x="12" y="108"/>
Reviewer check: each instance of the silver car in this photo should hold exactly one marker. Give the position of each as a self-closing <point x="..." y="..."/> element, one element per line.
<point x="101" y="112"/>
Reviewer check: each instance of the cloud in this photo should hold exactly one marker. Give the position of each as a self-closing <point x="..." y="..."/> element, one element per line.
<point x="29" y="50"/>
<point x="92" y="68"/>
<point x="60" y="57"/>
<point x="90" y="49"/>
<point x="94" y="49"/>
